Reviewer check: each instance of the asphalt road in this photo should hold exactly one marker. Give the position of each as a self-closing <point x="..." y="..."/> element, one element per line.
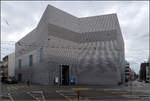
<point x="22" y="92"/>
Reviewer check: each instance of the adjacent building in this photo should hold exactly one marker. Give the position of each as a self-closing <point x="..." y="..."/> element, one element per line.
<point x="64" y="49"/>
<point x="1" y="64"/>
<point x="145" y="72"/>
<point x="130" y="75"/>
<point x="127" y="72"/>
<point x="8" y="66"/>
<point x="11" y="65"/>
<point x="4" y="68"/>
<point x="148" y="71"/>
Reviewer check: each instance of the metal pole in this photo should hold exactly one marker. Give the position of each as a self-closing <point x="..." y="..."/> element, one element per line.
<point x="131" y="87"/>
<point x="131" y="82"/>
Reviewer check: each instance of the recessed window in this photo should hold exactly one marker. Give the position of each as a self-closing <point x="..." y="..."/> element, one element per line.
<point x="19" y="63"/>
<point x="31" y="60"/>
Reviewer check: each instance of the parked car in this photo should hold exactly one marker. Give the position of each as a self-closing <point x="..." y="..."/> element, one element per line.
<point x="147" y="80"/>
<point x="11" y="81"/>
<point x="140" y="80"/>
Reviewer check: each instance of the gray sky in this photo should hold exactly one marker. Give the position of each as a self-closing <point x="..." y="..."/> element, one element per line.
<point x="19" y="18"/>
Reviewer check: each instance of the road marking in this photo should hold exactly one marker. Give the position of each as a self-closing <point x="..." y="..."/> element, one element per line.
<point x="68" y="96"/>
<point x="8" y="88"/>
<point x="78" y="89"/>
<point x="121" y="92"/>
<point x="44" y="99"/>
<point x="37" y="92"/>
<point x="66" y="91"/>
<point x="59" y="92"/>
<point x="4" y="96"/>
<point x="112" y="89"/>
<point x="15" y="87"/>
<point x="33" y="96"/>
<point x="130" y="96"/>
<point x="10" y="96"/>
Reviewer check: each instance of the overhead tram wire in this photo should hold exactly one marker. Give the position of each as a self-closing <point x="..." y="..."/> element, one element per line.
<point x="6" y="21"/>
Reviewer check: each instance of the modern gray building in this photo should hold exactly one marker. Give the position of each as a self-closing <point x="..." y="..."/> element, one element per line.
<point x="65" y="48"/>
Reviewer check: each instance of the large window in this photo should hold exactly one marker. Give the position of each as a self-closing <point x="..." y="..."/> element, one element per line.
<point x="19" y="63"/>
<point x="31" y="60"/>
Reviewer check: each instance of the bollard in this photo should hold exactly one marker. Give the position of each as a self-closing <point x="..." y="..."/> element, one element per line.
<point x="78" y="95"/>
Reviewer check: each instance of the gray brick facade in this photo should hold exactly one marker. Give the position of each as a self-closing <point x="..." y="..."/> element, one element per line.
<point x="93" y="47"/>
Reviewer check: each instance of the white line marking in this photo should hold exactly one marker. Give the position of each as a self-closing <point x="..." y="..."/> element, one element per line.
<point x="33" y="96"/>
<point x="37" y="92"/>
<point x="11" y="98"/>
<point x="130" y="96"/>
<point x="64" y="94"/>
<point x="60" y="93"/>
<point x="43" y="96"/>
<point x="112" y="89"/>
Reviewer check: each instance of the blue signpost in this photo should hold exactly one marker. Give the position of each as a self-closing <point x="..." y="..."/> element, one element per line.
<point x="73" y="80"/>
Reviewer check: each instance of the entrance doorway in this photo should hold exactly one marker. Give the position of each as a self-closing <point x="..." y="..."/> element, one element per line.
<point x="20" y="77"/>
<point x="65" y="74"/>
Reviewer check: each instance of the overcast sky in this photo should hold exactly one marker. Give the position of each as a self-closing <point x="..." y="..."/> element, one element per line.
<point x="19" y="18"/>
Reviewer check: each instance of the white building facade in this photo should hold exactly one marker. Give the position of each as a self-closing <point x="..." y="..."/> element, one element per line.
<point x="11" y="65"/>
